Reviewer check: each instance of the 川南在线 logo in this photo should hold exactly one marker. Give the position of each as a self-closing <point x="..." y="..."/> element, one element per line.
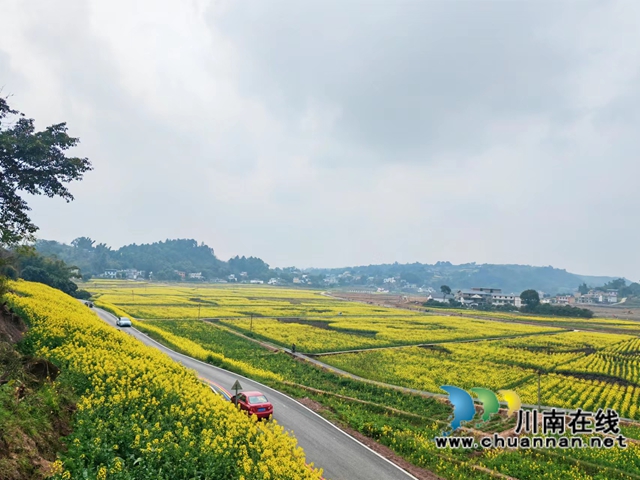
<point x="464" y="409"/>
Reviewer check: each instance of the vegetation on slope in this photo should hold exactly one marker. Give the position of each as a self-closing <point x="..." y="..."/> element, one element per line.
<point x="35" y="407"/>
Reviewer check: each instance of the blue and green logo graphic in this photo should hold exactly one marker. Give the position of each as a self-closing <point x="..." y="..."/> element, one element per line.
<point x="464" y="409"/>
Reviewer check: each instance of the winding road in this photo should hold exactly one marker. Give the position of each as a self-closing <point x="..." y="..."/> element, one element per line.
<point x="340" y="456"/>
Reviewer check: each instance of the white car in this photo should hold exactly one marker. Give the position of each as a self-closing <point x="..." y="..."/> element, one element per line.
<point x="123" y="322"/>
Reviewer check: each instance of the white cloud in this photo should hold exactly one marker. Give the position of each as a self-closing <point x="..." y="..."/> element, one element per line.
<point x="324" y="134"/>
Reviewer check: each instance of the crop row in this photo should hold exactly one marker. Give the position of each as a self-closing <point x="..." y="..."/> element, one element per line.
<point x="580" y="370"/>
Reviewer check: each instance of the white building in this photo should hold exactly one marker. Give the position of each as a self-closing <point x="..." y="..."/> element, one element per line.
<point x="506" y="299"/>
<point x="111" y="273"/>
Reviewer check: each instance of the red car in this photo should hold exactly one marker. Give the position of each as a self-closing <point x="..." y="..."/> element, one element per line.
<point x="254" y="403"/>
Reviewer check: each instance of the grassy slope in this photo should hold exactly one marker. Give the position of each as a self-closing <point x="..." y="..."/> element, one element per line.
<point x="35" y="413"/>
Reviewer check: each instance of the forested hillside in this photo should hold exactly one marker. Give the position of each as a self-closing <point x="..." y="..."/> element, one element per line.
<point x="511" y="278"/>
<point x="187" y="255"/>
<point x="161" y="258"/>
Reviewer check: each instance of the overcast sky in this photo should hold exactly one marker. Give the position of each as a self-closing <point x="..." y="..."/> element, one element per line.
<point x="333" y="133"/>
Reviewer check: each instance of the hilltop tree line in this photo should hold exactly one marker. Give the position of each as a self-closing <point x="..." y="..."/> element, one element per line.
<point x="511" y="278"/>
<point x="163" y="259"/>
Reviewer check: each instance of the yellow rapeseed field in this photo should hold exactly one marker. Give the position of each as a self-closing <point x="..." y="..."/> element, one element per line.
<point x="141" y="415"/>
<point x="362" y="332"/>
<point x="600" y="369"/>
<point x="583" y="369"/>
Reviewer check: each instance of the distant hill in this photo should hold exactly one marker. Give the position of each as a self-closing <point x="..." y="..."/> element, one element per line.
<point x="187" y="255"/>
<point x="510" y="278"/>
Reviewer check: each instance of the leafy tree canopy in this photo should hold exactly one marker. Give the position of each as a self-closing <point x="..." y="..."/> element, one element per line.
<point x="32" y="162"/>
<point x="530" y="298"/>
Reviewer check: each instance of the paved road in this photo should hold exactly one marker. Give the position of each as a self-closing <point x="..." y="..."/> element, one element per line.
<point x="338" y="454"/>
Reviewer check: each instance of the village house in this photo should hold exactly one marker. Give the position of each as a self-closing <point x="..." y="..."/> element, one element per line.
<point x="110" y="273"/>
<point x="565" y="299"/>
<point x="474" y="296"/>
<point x="133" y="274"/>
<point x="502" y="299"/>
<point x="598" y="296"/>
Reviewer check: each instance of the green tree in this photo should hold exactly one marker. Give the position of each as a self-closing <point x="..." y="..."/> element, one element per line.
<point x="530" y="298"/>
<point x="48" y="270"/>
<point x="83" y="243"/>
<point x="583" y="289"/>
<point x="615" y="284"/>
<point x="35" y="163"/>
<point x="446" y="290"/>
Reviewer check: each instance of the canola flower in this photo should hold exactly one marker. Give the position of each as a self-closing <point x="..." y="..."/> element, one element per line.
<point x="365" y="332"/>
<point x="570" y="357"/>
<point x="151" y="301"/>
<point x="335" y="324"/>
<point x="193" y="349"/>
<point x="610" y="370"/>
<point x="499" y="357"/>
<point x="141" y="415"/>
